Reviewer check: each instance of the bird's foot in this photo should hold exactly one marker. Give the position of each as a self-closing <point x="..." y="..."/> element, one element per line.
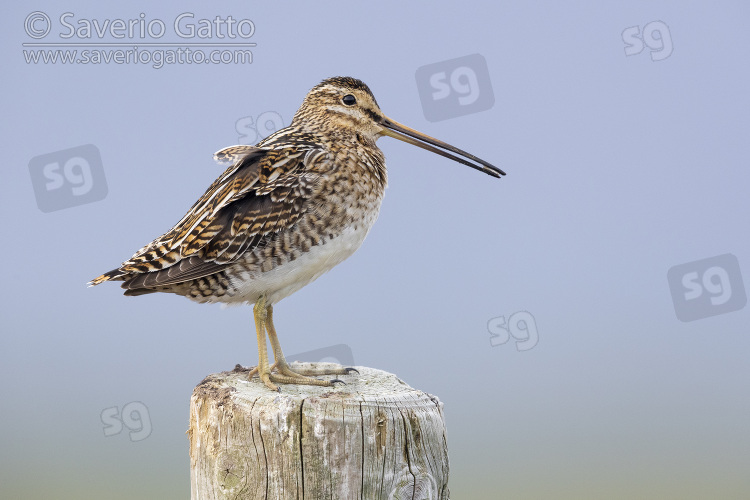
<point x="286" y="375"/>
<point x="341" y="370"/>
<point x="252" y="372"/>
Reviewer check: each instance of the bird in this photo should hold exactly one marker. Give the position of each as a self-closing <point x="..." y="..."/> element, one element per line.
<point x="283" y="213"/>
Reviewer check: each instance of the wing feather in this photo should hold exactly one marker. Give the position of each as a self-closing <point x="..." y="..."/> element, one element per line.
<point x="263" y="192"/>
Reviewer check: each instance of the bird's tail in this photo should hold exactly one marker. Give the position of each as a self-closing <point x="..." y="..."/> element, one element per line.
<point x="113" y="275"/>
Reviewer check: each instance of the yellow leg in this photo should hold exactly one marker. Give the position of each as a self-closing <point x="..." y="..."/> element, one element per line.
<point x="264" y="372"/>
<point x="283" y="367"/>
<point x="263" y="315"/>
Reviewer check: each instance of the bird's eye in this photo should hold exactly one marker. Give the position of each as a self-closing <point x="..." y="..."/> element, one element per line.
<point x="349" y="100"/>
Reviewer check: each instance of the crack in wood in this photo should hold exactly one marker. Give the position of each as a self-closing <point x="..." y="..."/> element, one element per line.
<point x="376" y="439"/>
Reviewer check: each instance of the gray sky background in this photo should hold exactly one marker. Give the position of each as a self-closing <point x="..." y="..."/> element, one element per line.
<point x="620" y="167"/>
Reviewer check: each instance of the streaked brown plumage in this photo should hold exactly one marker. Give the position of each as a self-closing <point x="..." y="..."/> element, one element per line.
<point x="284" y="212"/>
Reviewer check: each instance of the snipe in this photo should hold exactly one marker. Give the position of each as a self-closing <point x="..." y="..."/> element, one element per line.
<point x="283" y="213"/>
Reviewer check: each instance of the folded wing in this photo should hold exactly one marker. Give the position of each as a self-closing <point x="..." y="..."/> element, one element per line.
<point x="263" y="192"/>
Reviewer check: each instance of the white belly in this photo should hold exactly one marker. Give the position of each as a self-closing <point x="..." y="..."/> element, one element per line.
<point x="286" y="279"/>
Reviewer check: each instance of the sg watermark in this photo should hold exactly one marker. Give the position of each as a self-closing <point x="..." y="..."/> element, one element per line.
<point x="339" y="353"/>
<point x="455" y="87"/>
<point x="134" y="417"/>
<point x="68" y="178"/>
<point x="707" y="287"/>
<point x="654" y="35"/>
<point x="251" y="131"/>
<point x="139" y="40"/>
<point x="521" y="326"/>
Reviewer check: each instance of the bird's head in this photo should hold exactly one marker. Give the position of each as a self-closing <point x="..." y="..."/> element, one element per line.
<point x="346" y="105"/>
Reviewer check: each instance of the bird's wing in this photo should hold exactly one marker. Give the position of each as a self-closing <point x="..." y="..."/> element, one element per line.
<point x="263" y="192"/>
<point x="232" y="154"/>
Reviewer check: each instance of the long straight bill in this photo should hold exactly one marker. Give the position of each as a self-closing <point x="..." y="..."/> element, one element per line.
<point x="401" y="132"/>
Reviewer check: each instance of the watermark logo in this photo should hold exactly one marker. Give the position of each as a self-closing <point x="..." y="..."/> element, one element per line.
<point x="339" y="353"/>
<point x="252" y="131"/>
<point x="455" y="87"/>
<point x="521" y="326"/>
<point x="68" y="178"/>
<point x="134" y="417"/>
<point x="707" y="287"/>
<point x="183" y="39"/>
<point x="655" y="35"/>
<point x="37" y="25"/>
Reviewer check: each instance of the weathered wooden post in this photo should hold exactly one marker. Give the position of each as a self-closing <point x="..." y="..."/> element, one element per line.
<point x="374" y="438"/>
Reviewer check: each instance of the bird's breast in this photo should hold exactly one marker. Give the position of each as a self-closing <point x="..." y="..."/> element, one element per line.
<point x="328" y="234"/>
